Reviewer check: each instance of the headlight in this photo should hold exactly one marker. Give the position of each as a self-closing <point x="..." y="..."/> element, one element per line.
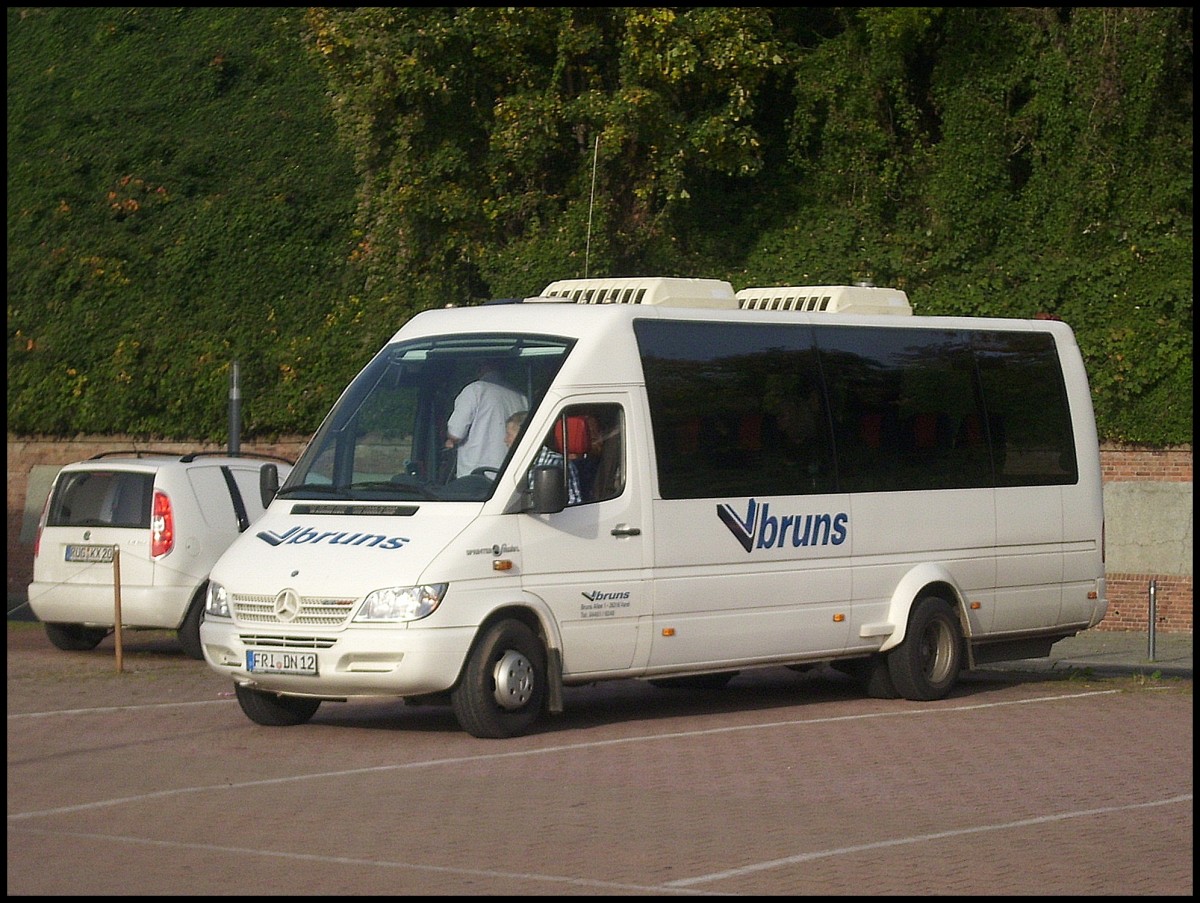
<point x="216" y="601"/>
<point x="401" y="603"/>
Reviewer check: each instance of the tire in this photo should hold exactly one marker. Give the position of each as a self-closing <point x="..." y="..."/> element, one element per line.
<point x="75" y="637"/>
<point x="926" y="665"/>
<point x="502" y="690"/>
<point x="273" y="710"/>
<point x="189" y="630"/>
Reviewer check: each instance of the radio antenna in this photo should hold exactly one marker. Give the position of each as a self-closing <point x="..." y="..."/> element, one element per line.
<point x="587" y="254"/>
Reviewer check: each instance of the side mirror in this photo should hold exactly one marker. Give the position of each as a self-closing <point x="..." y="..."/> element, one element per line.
<point x="549" y="489"/>
<point x="268" y="483"/>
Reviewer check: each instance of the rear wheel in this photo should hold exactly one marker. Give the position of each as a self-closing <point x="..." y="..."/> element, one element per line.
<point x="927" y="664"/>
<point x="75" y="637"/>
<point x="502" y="689"/>
<point x="273" y="710"/>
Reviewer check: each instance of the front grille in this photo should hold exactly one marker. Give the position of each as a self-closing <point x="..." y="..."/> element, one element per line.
<point x="315" y="611"/>
<point x="288" y="642"/>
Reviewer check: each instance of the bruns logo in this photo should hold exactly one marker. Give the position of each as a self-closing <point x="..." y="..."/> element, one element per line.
<point x="761" y="530"/>
<point x="603" y="597"/>
<point x="299" y="535"/>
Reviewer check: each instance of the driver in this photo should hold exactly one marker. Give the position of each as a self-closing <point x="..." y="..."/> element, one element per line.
<point x="477" y="424"/>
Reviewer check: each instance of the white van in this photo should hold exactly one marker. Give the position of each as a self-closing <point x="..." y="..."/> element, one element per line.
<point x="170" y="515"/>
<point x="750" y="481"/>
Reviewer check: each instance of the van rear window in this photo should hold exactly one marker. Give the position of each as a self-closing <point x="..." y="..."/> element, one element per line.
<point x="102" y="498"/>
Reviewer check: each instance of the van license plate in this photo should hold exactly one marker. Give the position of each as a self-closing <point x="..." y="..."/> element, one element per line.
<point x="263" y="662"/>
<point x="90" y="554"/>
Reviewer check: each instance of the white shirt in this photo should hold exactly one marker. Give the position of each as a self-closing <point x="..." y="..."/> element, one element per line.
<point x="480" y="412"/>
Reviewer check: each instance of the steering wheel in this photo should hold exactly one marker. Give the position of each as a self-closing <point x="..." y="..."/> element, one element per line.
<point x="486" y="472"/>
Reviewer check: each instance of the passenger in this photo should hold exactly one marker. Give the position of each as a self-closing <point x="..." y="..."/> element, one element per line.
<point x="579" y="438"/>
<point x="512" y="427"/>
<point x="593" y="475"/>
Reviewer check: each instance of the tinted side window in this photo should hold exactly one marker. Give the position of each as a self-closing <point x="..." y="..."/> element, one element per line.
<point x="736" y="409"/>
<point x="905" y="407"/>
<point x="1029" y="417"/>
<point x="102" y="498"/>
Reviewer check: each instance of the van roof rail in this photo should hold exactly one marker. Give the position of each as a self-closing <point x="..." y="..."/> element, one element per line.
<point x="185" y="458"/>
<point x="674" y="291"/>
<point x="216" y="453"/>
<point x="857" y="299"/>
<point x="134" y="453"/>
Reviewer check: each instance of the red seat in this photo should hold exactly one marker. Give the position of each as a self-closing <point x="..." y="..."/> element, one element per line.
<point x="579" y="438"/>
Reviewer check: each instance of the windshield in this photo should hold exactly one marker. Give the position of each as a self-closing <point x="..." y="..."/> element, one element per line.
<point x="426" y="420"/>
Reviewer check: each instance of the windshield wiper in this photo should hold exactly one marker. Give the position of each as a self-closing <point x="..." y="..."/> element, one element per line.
<point x="392" y="486"/>
<point x="322" y="488"/>
<point x="403" y="489"/>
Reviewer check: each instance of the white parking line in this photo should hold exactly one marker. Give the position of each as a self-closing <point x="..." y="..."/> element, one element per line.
<point x="109" y="709"/>
<point x="460" y="760"/>
<point x="376" y="863"/>
<point x="682" y="885"/>
<point x="920" y="838"/>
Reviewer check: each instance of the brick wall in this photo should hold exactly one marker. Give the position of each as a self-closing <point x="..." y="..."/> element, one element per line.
<point x="1128" y="607"/>
<point x="1129" y="594"/>
<point x="1124" y="464"/>
<point x="1129" y="603"/>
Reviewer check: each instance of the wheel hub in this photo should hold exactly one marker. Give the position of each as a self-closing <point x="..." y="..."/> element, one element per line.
<point x="514" y="679"/>
<point x="938" y="651"/>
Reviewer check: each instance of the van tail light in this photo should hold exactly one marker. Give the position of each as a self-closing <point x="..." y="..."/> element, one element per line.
<point x="162" y="526"/>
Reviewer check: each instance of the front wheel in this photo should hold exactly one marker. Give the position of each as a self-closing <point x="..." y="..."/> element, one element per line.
<point x="75" y="637"/>
<point x="502" y="689"/>
<point x="926" y="665"/>
<point x="273" y="710"/>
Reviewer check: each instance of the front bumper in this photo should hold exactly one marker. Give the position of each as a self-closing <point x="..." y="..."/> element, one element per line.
<point x="358" y="661"/>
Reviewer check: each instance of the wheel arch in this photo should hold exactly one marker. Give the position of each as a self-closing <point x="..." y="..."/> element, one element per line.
<point x="532" y="612"/>
<point x="926" y="579"/>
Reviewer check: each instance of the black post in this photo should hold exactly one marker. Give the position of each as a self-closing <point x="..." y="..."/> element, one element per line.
<point x="235" y="411"/>
<point x="1152" y="618"/>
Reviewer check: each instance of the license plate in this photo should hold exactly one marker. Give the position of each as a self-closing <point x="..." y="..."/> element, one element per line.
<point x="261" y="661"/>
<point x="90" y="554"/>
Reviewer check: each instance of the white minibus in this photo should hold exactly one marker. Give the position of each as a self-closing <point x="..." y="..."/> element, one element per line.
<point x="705" y="481"/>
